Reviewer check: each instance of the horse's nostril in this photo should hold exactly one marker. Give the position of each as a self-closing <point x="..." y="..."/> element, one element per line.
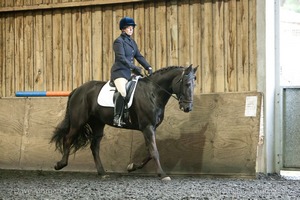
<point x="188" y="109"/>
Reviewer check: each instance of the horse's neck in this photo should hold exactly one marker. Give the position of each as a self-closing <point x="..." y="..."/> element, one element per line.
<point x="164" y="83"/>
<point x="165" y="80"/>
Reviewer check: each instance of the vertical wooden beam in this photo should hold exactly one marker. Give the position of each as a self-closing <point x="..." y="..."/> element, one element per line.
<point x="242" y="48"/>
<point x="172" y="33"/>
<point x="19" y="2"/>
<point x="252" y="46"/>
<point x="218" y="46"/>
<point x="39" y="70"/>
<point x="46" y="1"/>
<point x="230" y="46"/>
<point x="3" y="46"/>
<point x="8" y="3"/>
<point x="86" y="44"/>
<point x="149" y="27"/>
<point x="48" y="49"/>
<point x="19" y="49"/>
<point x="28" y="51"/>
<point x="160" y="34"/>
<point x="118" y="14"/>
<point x="2" y="3"/>
<point x="97" y="43"/>
<point x="107" y="54"/>
<point x="183" y="33"/>
<point x="207" y="51"/>
<point x="2" y="60"/>
<point x="27" y="2"/>
<point x="195" y="41"/>
<point x="57" y="51"/>
<point x="67" y="32"/>
<point x="139" y="31"/>
<point x="128" y="10"/>
<point x="9" y="55"/>
<point x="77" y="47"/>
<point x="2" y="57"/>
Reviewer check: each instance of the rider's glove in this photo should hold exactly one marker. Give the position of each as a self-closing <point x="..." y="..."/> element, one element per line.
<point x="149" y="70"/>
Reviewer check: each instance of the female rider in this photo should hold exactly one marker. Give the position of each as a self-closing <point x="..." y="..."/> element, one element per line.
<point x="126" y="50"/>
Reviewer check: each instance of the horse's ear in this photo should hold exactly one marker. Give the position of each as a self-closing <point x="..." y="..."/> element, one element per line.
<point x="195" y="69"/>
<point x="189" y="69"/>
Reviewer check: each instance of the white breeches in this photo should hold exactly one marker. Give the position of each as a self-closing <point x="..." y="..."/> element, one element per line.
<point x="120" y="84"/>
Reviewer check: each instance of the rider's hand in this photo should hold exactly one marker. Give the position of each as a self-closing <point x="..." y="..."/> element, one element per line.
<point x="136" y="70"/>
<point x="149" y="70"/>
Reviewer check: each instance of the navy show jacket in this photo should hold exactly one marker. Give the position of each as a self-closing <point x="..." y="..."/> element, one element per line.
<point x="126" y="50"/>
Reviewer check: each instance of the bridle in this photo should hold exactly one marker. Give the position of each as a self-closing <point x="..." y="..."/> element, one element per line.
<point x="180" y="97"/>
<point x="183" y="79"/>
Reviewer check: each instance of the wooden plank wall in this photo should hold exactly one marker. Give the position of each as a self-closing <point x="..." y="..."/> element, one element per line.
<point x="59" y="48"/>
<point x="215" y="138"/>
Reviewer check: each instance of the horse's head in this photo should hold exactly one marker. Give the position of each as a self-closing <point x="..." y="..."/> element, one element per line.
<point x="185" y="88"/>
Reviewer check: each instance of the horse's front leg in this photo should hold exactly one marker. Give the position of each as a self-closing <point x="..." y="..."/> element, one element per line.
<point x="150" y="139"/>
<point x="132" y="166"/>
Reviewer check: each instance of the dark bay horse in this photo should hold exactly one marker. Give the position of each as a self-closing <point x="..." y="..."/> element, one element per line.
<point x="85" y="119"/>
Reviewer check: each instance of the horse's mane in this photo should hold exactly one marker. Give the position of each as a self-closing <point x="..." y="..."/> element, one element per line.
<point x="167" y="69"/>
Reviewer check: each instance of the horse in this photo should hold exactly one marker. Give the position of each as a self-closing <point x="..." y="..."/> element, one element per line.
<point x="85" y="119"/>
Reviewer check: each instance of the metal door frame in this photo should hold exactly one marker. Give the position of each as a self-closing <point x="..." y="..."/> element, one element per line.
<point x="278" y="118"/>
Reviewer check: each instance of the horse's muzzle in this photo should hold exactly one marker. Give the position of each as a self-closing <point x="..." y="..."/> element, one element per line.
<point x="186" y="107"/>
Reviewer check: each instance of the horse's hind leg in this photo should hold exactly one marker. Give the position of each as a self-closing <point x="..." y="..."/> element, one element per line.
<point x="95" y="145"/>
<point x="67" y="141"/>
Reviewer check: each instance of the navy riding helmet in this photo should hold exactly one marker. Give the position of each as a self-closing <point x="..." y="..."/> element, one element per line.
<point x="126" y="21"/>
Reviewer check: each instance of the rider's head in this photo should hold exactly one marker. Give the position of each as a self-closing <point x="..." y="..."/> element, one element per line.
<point x="126" y="22"/>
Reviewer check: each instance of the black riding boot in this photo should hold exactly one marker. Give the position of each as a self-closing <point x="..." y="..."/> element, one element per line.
<point x="119" y="110"/>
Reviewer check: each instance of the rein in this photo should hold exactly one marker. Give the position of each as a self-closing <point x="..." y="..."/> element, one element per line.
<point x="163" y="88"/>
<point x="175" y="97"/>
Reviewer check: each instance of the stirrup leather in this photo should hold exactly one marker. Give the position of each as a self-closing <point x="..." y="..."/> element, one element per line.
<point x="118" y="121"/>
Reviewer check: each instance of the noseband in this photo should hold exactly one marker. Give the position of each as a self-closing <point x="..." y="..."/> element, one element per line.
<point x="183" y="78"/>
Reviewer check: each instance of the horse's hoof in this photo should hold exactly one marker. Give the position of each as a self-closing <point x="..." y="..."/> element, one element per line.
<point x="130" y="167"/>
<point x="167" y="178"/>
<point x="56" y="167"/>
<point x="100" y="172"/>
<point x="105" y="177"/>
<point x="59" y="166"/>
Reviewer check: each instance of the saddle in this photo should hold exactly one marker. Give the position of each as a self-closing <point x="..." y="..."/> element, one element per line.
<point x="107" y="94"/>
<point x="130" y="87"/>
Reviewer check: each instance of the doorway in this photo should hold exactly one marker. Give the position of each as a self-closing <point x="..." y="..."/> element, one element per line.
<point x="289" y="82"/>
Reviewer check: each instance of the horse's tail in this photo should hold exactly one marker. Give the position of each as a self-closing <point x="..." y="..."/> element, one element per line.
<point x="62" y="129"/>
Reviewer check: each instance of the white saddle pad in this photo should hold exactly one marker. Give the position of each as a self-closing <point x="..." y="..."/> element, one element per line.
<point x="106" y="94"/>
